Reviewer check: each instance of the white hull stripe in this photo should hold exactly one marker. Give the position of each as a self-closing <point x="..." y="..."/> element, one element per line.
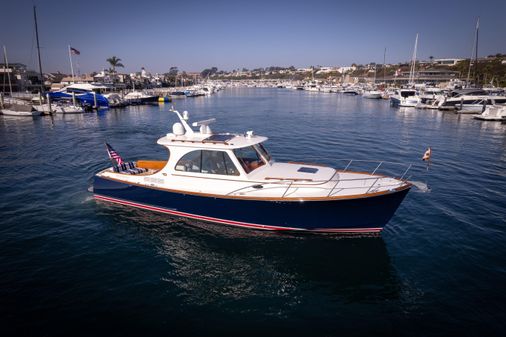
<point x="234" y="223"/>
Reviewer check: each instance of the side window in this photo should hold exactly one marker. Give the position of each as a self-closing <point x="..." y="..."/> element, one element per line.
<point x="212" y="162"/>
<point x="191" y="162"/>
<point x="231" y="169"/>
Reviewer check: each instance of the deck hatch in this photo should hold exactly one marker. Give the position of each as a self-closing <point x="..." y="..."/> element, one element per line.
<point x="304" y="169"/>
<point x="219" y="138"/>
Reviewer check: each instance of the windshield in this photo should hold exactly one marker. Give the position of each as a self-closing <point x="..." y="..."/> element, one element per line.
<point x="263" y="151"/>
<point x="249" y="158"/>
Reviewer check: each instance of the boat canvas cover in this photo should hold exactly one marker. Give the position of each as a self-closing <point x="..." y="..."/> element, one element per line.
<point x="86" y="98"/>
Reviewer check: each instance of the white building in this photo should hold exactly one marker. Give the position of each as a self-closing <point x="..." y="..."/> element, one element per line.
<point x="447" y="62"/>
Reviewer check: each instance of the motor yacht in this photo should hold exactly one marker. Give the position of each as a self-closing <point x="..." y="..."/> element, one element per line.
<point x="139" y="97"/>
<point x="231" y="179"/>
<point x="85" y="93"/>
<point x="405" y="98"/>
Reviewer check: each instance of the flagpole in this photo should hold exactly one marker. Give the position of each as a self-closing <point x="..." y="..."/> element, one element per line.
<point x="109" y="154"/>
<point x="71" y="65"/>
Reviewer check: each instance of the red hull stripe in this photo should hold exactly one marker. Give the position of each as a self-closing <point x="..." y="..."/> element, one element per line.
<point x="234" y="223"/>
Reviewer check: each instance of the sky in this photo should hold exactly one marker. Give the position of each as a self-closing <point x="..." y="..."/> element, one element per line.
<point x="194" y="35"/>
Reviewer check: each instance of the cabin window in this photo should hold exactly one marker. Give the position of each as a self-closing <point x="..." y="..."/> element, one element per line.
<point x="263" y="151"/>
<point x="249" y="158"/>
<point x="407" y="93"/>
<point x="191" y="162"/>
<point x="229" y="165"/>
<point x="210" y="162"/>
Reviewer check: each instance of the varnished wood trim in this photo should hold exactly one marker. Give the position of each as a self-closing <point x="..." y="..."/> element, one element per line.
<point x="291" y="179"/>
<point x="151" y="164"/>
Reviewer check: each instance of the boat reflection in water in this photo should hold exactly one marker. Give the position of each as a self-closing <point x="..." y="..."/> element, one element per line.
<point x="233" y="268"/>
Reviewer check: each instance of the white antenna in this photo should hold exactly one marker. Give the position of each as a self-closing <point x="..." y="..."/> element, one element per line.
<point x="204" y="125"/>
<point x="183" y="120"/>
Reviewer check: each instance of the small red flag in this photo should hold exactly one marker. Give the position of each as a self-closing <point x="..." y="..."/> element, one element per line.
<point x="427" y="154"/>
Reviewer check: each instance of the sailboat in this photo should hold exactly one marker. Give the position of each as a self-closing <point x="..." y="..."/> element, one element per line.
<point x="372" y="94"/>
<point x="408" y="97"/>
<point x="48" y="107"/>
<point x="12" y="106"/>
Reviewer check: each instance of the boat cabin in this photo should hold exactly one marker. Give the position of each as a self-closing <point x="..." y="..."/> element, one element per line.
<point x="232" y="156"/>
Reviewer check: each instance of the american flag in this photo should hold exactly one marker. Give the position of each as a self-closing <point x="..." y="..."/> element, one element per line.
<point x="113" y="155"/>
<point x="74" y="51"/>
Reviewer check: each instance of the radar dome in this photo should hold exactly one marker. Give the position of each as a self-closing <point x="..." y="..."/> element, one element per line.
<point x="178" y="129"/>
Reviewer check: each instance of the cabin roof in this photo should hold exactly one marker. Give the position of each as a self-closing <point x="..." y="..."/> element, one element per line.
<point x="211" y="141"/>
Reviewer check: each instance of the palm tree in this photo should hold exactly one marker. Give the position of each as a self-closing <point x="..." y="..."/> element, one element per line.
<point x="115" y="62"/>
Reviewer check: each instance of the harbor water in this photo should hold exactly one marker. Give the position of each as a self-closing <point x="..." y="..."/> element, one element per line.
<point x="70" y="266"/>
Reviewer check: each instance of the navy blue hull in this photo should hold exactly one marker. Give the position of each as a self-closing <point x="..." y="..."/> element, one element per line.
<point x="340" y="215"/>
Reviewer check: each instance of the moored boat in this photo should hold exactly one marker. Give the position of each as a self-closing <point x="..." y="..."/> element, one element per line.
<point x="85" y="93"/>
<point x="17" y="107"/>
<point x="405" y="98"/>
<point x="232" y="179"/>
<point x="59" y="107"/>
<point x="372" y="94"/>
<point x="21" y="110"/>
<point x="139" y="97"/>
<point x="493" y="113"/>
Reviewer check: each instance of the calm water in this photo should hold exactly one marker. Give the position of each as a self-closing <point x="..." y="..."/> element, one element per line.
<point x="70" y="266"/>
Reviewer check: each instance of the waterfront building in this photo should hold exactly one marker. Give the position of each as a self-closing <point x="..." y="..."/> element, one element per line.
<point x="434" y="76"/>
<point x="22" y="79"/>
<point x="447" y="62"/>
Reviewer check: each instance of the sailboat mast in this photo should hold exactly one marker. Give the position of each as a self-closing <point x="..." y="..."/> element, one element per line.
<point x="384" y="62"/>
<point x="413" y="63"/>
<point x="38" y="50"/>
<point x="6" y="67"/>
<point x="476" y="54"/>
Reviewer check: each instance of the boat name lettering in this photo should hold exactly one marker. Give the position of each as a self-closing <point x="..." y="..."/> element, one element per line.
<point x="154" y="180"/>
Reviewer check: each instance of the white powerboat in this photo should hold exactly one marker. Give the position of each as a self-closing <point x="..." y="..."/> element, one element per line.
<point x="493" y="113"/>
<point x="231" y="179"/>
<point x="405" y="98"/>
<point x="139" y="97"/>
<point x="372" y="94"/>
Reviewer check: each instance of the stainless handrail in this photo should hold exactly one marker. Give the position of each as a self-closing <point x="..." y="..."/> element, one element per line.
<point x="372" y="185"/>
<point x="288" y="184"/>
<point x="377" y="167"/>
<point x="351" y="161"/>
<point x="405" y="172"/>
<point x="291" y="184"/>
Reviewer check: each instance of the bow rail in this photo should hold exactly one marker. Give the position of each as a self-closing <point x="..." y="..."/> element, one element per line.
<point x="336" y="184"/>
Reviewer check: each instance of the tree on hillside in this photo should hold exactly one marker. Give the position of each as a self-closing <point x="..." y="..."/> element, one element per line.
<point x="208" y="72"/>
<point x="173" y="71"/>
